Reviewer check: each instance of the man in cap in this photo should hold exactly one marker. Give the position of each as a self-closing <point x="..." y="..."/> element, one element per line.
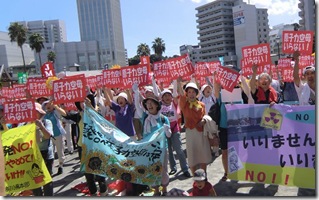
<point x="306" y="91"/>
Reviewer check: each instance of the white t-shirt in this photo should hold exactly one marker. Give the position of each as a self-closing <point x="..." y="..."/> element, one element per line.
<point x="304" y="94"/>
<point x="208" y="101"/>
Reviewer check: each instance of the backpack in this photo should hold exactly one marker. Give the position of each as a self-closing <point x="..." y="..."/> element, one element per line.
<point x="214" y="112"/>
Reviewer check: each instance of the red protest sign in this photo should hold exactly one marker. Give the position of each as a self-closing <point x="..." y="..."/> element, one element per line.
<point x="37" y="87"/>
<point x="276" y="71"/>
<point x="161" y="70"/>
<point x="19" y="91"/>
<point x="305" y="61"/>
<point x="135" y="74"/>
<point x="213" y="66"/>
<point x="68" y="106"/>
<point x="287" y="74"/>
<point x="284" y="62"/>
<point x="228" y="78"/>
<point x="202" y="70"/>
<point x="19" y="111"/>
<point x="7" y="92"/>
<point x="301" y="41"/>
<point x="69" y="90"/>
<point x="112" y="78"/>
<point x="248" y="70"/>
<point x="47" y="70"/>
<point x="99" y="81"/>
<point x="145" y="60"/>
<point x="180" y="67"/>
<point x="256" y="54"/>
<point x="91" y="82"/>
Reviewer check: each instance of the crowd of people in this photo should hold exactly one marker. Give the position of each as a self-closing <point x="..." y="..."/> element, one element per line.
<point x="181" y="106"/>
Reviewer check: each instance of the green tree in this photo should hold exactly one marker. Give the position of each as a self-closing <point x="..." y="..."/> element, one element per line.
<point x="51" y="56"/>
<point x="36" y="43"/>
<point x="18" y="33"/>
<point x="143" y="50"/>
<point x="134" y="60"/>
<point x="158" y="46"/>
<point x="155" y="58"/>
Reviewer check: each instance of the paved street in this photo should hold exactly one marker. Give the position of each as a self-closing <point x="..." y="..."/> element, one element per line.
<point x="72" y="176"/>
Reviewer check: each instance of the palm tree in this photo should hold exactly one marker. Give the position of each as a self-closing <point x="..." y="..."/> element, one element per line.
<point x="18" y="33"/>
<point x="36" y="43"/>
<point x="143" y="50"/>
<point x="51" y="56"/>
<point x="158" y="46"/>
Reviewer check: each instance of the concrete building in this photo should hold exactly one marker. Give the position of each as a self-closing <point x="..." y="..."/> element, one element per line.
<point x="250" y="27"/>
<point x="216" y="31"/>
<point x="275" y="42"/>
<point x="101" y="20"/>
<point x="193" y="51"/>
<point x="10" y="54"/>
<point x="51" y="30"/>
<point x="307" y="14"/>
<point x="85" y="54"/>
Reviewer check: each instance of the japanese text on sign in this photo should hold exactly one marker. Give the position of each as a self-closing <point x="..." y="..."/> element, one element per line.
<point x="301" y="41"/>
<point x="256" y="54"/>
<point x="69" y="90"/>
<point x="19" y="111"/>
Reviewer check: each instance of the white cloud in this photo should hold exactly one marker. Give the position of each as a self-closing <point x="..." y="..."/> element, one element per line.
<point x="277" y="7"/>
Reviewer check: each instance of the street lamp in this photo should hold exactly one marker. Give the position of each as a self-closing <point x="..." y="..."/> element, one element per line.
<point x="278" y="50"/>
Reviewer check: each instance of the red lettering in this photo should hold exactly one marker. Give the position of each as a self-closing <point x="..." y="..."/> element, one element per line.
<point x="261" y="177"/>
<point x="24" y="146"/>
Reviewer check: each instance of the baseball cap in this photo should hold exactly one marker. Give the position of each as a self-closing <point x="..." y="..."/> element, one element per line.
<point x="199" y="175"/>
<point x="308" y="68"/>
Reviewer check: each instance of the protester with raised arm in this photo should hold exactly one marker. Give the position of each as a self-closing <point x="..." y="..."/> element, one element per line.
<point x="306" y="91"/>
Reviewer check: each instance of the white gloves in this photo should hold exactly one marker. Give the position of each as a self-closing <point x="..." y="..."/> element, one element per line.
<point x="167" y="129"/>
<point x="135" y="87"/>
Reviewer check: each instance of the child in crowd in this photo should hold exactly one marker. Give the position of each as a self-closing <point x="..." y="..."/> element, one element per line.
<point x="201" y="186"/>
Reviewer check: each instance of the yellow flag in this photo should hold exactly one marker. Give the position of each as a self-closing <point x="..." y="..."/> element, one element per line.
<point x="25" y="168"/>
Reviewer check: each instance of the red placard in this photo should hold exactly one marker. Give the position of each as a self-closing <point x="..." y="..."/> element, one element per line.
<point x="287" y="74"/>
<point x="19" y="91"/>
<point x="99" y="81"/>
<point x="180" y="67"/>
<point x="161" y="70"/>
<point x="20" y="111"/>
<point x="37" y="87"/>
<point x="284" y="62"/>
<point x="213" y="66"/>
<point x="91" y="82"/>
<point x="68" y="106"/>
<point x="69" y="90"/>
<point x="202" y="70"/>
<point x="275" y="72"/>
<point x="301" y="41"/>
<point x="247" y="70"/>
<point x="256" y="54"/>
<point x="135" y="74"/>
<point x="305" y="61"/>
<point x="75" y="76"/>
<point x="47" y="70"/>
<point x="7" y="92"/>
<point x="112" y="78"/>
<point x="228" y="78"/>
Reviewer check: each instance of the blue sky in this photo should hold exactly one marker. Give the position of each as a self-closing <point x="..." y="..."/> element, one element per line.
<point x="143" y="20"/>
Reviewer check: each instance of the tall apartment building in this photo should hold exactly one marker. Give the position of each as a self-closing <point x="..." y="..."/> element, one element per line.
<point x="51" y="30"/>
<point x="216" y="31"/>
<point x="192" y="50"/>
<point x="307" y="14"/>
<point x="101" y="20"/>
<point x="250" y="27"/>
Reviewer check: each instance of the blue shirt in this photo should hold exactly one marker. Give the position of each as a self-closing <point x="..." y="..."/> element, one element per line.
<point x="124" y="118"/>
